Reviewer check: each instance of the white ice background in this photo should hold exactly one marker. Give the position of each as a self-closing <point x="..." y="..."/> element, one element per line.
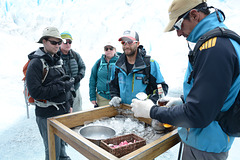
<point x="91" y="23"/>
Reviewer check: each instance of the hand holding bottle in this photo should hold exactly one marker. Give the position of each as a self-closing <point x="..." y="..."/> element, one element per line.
<point x="162" y="101"/>
<point x="172" y="101"/>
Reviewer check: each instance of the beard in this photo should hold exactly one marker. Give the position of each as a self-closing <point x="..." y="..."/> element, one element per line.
<point x="130" y="52"/>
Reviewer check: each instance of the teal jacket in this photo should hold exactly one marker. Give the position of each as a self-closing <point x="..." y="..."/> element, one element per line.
<point x="100" y="78"/>
<point x="214" y="86"/>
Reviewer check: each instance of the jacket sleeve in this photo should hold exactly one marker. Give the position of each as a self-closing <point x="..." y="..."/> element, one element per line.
<point x="34" y="82"/>
<point x="114" y="84"/>
<point x="93" y="82"/>
<point x="155" y="79"/>
<point x="81" y="67"/>
<point x="215" y="70"/>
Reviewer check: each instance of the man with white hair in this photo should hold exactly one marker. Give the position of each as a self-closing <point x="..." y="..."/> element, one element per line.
<point x="74" y="67"/>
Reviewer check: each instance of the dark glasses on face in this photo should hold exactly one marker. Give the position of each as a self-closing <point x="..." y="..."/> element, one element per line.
<point x="130" y="42"/>
<point x="55" y="43"/>
<point x="67" y="41"/>
<point x="107" y="48"/>
<point x="178" y="24"/>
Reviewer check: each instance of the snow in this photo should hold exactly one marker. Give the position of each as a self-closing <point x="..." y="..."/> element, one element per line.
<point x="91" y="23"/>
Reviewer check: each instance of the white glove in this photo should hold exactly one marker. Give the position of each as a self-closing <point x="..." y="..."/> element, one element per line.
<point x="172" y="101"/>
<point x="115" y="101"/>
<point x="141" y="108"/>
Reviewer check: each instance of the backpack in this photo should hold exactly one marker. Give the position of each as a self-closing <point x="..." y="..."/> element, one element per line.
<point x="100" y="65"/>
<point x="39" y="102"/>
<point x="146" y="59"/>
<point x="28" y="99"/>
<point x="75" y="55"/>
<point x="118" y="54"/>
<point x="230" y="119"/>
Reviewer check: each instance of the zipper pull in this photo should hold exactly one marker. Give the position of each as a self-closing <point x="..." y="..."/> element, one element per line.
<point x="188" y="130"/>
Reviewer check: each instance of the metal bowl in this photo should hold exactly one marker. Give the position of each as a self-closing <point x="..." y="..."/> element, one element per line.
<point x="96" y="133"/>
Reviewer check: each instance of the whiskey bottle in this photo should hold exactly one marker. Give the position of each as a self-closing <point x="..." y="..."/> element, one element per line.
<point x="162" y="102"/>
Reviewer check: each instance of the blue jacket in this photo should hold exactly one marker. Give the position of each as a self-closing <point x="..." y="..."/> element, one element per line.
<point x="127" y="86"/>
<point x="100" y="78"/>
<point x="213" y="88"/>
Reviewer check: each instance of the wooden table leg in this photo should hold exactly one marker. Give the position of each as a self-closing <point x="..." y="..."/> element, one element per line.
<point x="51" y="141"/>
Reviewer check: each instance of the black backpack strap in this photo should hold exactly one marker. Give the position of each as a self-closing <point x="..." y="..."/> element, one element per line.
<point x="98" y="64"/>
<point x="74" y="55"/>
<point x="147" y="70"/>
<point x="217" y="32"/>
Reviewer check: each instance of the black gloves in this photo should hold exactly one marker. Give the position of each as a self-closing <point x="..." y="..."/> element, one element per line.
<point x="66" y="82"/>
<point x="77" y="79"/>
<point x="64" y="78"/>
<point x="69" y="84"/>
<point x="73" y="92"/>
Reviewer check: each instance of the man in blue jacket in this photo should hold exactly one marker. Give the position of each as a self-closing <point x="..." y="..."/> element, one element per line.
<point x="134" y="72"/>
<point x="209" y="85"/>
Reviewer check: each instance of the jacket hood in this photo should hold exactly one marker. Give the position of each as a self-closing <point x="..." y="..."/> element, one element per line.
<point x="39" y="53"/>
<point x="142" y="50"/>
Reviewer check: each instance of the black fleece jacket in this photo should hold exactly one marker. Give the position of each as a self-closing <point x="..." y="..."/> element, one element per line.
<point x="50" y="89"/>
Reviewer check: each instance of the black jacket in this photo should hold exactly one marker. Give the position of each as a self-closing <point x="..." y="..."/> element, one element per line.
<point x="74" y="66"/>
<point x="50" y="89"/>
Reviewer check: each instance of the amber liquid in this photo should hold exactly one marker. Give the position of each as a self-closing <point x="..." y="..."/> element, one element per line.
<point x="163" y="103"/>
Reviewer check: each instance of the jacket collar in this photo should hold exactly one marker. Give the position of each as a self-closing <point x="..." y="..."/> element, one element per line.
<point x="208" y="23"/>
<point x="139" y="63"/>
<point x="112" y="60"/>
<point x="39" y="53"/>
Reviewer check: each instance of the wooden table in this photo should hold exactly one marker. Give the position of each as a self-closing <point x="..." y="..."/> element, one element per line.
<point x="61" y="126"/>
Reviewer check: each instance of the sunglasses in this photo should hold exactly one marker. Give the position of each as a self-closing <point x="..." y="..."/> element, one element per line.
<point x="67" y="42"/>
<point x="108" y="48"/>
<point x="55" y="43"/>
<point x="178" y="24"/>
<point x="130" y="42"/>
